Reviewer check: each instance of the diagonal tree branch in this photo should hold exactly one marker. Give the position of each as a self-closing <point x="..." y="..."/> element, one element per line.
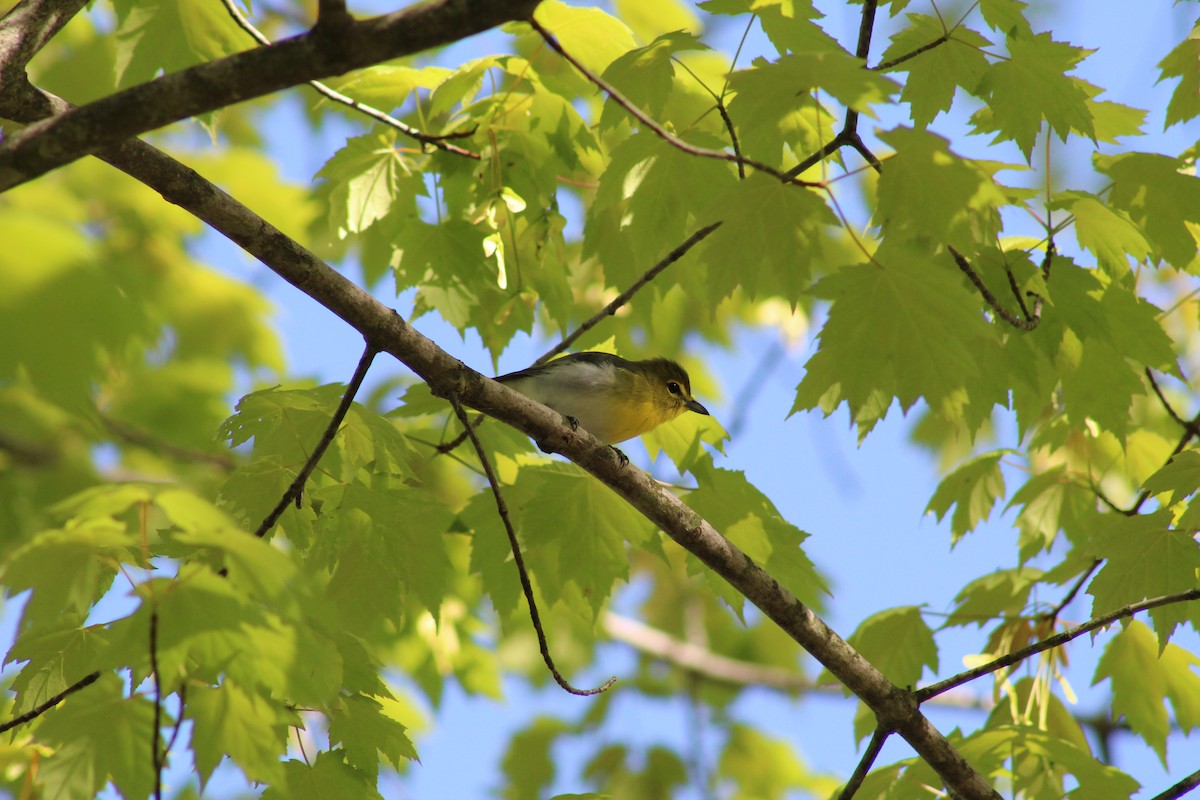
<point x="1017" y="656"/>
<point x="895" y="708"/>
<point x="319" y="53"/>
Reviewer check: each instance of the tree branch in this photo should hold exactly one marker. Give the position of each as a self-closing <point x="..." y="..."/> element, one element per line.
<point x="625" y="296"/>
<point x="1057" y="640"/>
<point x="319" y="53"/>
<point x="296" y="490"/>
<point x="878" y="738"/>
<point x="32" y="714"/>
<point x="526" y="586"/>
<point x="1000" y="311"/>
<point x="1180" y="789"/>
<point x="384" y="329"/>
<point x="644" y="118"/>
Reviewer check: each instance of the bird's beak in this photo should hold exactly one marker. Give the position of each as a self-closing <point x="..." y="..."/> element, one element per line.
<point x="692" y="405"/>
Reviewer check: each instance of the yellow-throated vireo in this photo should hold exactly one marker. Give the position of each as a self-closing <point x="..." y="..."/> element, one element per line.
<point x="608" y="396"/>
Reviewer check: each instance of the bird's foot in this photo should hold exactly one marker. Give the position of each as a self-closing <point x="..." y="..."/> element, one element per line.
<point x="622" y="459"/>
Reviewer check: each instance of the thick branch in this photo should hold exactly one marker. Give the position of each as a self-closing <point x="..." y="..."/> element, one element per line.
<point x="317" y="54"/>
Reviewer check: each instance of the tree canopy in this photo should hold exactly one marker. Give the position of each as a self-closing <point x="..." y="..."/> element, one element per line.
<point x="212" y="558"/>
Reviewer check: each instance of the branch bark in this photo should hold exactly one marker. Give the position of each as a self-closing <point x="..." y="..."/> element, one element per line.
<point x="319" y="53"/>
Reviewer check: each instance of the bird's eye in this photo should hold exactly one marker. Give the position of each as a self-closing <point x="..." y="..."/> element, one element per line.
<point x="673" y="387"/>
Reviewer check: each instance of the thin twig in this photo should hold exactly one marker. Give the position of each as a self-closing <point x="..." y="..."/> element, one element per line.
<point x="1180" y="789"/>
<point x="156" y="756"/>
<point x="886" y="65"/>
<point x="993" y="303"/>
<point x="1187" y="426"/>
<point x="296" y="490"/>
<point x="644" y="118"/>
<point x="608" y="311"/>
<point x="182" y="692"/>
<point x="1052" y="615"/>
<point x="1054" y="641"/>
<point x="1190" y="430"/>
<point x="852" y="786"/>
<point x="625" y="296"/>
<point x="336" y="10"/>
<point x="34" y="713"/>
<point x="1016" y="293"/>
<point x="502" y="509"/>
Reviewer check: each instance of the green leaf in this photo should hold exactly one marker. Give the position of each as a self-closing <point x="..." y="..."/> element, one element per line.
<point x="102" y="736"/>
<point x="360" y="724"/>
<point x="170" y="35"/>
<point x="368" y="179"/>
<point x="900" y="329"/>
<point x="1032" y="85"/>
<point x="835" y="72"/>
<point x="576" y="528"/>
<point x="386" y="86"/>
<point x="974" y="488"/>
<point x="246" y="727"/>
<point x="1144" y="558"/>
<point x="1181" y="63"/>
<point x="760" y="765"/>
<point x="590" y="35"/>
<point x="1003" y="593"/>
<point x="528" y="764"/>
<point x="789" y="24"/>
<point x="645" y="204"/>
<point x="752" y="522"/>
<point x="646" y="76"/>
<point x="1143" y="677"/>
<point x="1161" y="195"/>
<point x="682" y="439"/>
<point x="934" y="75"/>
<point x="1180" y="476"/>
<point x="1109" y="234"/>
<point x="56" y="654"/>
<point x="383" y="545"/>
<point x="774" y="123"/>
<point x="328" y="778"/>
<point x="900" y="645"/>
<point x="789" y="225"/>
<point x="966" y="206"/>
<point x="68" y="570"/>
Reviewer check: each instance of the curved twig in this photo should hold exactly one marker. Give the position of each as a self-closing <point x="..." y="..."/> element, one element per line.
<point x="644" y="118"/>
<point x="526" y="586"/>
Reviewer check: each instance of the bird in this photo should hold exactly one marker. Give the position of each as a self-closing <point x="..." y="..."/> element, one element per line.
<point x="610" y="397"/>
